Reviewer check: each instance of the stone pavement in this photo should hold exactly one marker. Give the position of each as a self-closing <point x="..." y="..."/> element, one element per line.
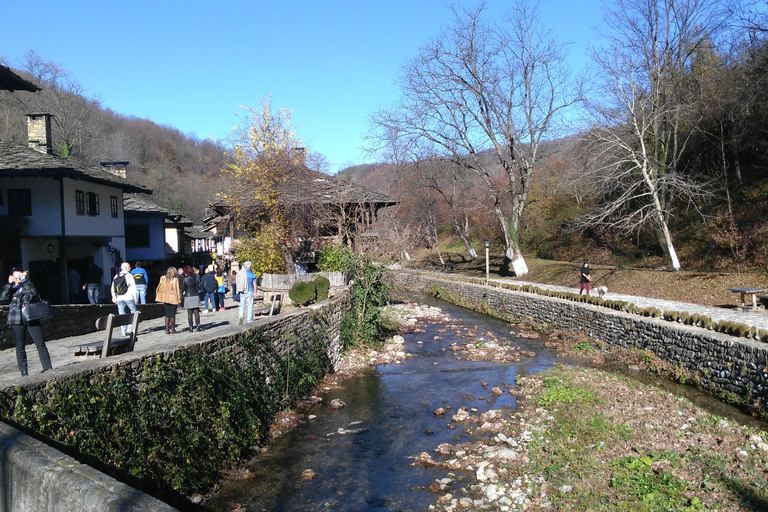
<point x="757" y="319"/>
<point x="151" y="339"/>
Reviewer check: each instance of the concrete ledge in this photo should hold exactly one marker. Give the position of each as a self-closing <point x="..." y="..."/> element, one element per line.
<point x="35" y="477"/>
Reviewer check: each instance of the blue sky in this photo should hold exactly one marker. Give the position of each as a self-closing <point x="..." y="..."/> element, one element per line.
<point x="189" y="64"/>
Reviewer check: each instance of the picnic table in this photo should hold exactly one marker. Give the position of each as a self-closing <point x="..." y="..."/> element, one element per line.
<point x="748" y="290"/>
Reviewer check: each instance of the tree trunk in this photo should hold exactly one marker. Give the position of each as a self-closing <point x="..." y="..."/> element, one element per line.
<point x="513" y="257"/>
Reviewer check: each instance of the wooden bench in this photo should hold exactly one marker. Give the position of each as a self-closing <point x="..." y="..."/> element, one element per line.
<point x="110" y="346"/>
<point x="277" y="298"/>
<point x="748" y="290"/>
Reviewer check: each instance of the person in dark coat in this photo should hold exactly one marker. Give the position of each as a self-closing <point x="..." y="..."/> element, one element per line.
<point x="190" y="290"/>
<point x="210" y="286"/>
<point x="18" y="293"/>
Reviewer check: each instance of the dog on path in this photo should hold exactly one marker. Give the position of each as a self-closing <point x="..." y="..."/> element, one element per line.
<point x="602" y="291"/>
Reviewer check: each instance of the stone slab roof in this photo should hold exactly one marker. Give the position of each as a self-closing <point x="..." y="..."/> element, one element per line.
<point x="305" y="186"/>
<point x="137" y="205"/>
<point x="10" y="81"/>
<point x="19" y="160"/>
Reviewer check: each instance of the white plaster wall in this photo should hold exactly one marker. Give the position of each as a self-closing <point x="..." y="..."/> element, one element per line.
<point x="93" y="225"/>
<point x="172" y="241"/>
<point x="46" y="205"/>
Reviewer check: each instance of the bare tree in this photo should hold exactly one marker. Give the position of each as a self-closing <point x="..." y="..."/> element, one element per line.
<point x="648" y="114"/>
<point x="484" y="87"/>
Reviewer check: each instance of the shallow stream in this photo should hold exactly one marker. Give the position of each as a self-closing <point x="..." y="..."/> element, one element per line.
<point x="391" y="409"/>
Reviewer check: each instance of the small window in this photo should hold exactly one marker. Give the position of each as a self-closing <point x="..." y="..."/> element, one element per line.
<point x="137" y="235"/>
<point x="80" y="202"/>
<point x="19" y="201"/>
<point x="113" y="206"/>
<point x="92" y="201"/>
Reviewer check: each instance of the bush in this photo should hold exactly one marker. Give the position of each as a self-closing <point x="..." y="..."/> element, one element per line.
<point x="323" y="285"/>
<point x="303" y="293"/>
<point x="334" y="258"/>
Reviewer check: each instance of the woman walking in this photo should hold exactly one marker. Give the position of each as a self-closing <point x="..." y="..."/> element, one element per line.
<point x="190" y="289"/>
<point x="585" y="278"/>
<point x="169" y="293"/>
<point x="18" y="293"/>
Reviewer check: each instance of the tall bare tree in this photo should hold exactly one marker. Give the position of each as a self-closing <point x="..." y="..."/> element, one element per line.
<point x="485" y="87"/>
<point x="648" y="113"/>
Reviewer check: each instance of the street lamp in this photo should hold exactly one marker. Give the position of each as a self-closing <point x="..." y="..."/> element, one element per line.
<point x="487" y="244"/>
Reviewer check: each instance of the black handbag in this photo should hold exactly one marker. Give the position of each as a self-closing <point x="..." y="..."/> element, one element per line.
<point x="36" y="311"/>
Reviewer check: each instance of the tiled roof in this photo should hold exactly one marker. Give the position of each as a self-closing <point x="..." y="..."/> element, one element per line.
<point x="21" y="160"/>
<point x="197" y="232"/>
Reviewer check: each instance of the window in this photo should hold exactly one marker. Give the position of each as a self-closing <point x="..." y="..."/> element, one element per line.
<point x="19" y="201"/>
<point x="137" y="235"/>
<point x="113" y="205"/>
<point x="92" y="201"/>
<point x="80" y="202"/>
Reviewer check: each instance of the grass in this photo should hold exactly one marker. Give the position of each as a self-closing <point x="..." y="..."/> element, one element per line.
<point x="610" y="444"/>
<point x="706" y="288"/>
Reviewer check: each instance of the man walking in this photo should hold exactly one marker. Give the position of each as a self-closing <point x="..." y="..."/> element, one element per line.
<point x="93" y="281"/>
<point x="210" y="286"/>
<point x="124" y="293"/>
<point x="246" y="283"/>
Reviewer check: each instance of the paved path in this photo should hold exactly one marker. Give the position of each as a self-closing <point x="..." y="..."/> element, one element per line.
<point x="151" y="339"/>
<point x="758" y="319"/>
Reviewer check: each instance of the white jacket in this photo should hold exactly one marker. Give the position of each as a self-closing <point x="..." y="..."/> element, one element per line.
<point x="130" y="294"/>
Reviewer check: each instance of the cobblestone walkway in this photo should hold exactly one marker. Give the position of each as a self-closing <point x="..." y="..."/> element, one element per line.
<point x="758" y="319"/>
<point x="151" y="339"/>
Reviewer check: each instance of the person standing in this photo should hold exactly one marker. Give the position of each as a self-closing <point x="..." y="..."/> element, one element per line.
<point x="190" y="290"/>
<point x="124" y="294"/>
<point x="169" y="293"/>
<point x="209" y="285"/>
<point x="141" y="279"/>
<point x="18" y="293"/>
<point x="73" y="285"/>
<point x="246" y="283"/>
<point x="93" y="281"/>
<point x="221" y="289"/>
<point x="585" y="278"/>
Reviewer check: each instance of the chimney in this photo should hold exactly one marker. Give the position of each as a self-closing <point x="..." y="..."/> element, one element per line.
<point x="39" y="132"/>
<point x="117" y="168"/>
<point x="300" y="157"/>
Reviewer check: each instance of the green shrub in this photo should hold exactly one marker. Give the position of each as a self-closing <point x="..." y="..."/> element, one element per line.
<point x="323" y="285"/>
<point x="334" y="258"/>
<point x="303" y="293"/>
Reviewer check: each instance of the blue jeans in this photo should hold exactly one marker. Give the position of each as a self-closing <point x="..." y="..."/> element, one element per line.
<point x="212" y="295"/>
<point x="246" y="305"/>
<point x="141" y="291"/>
<point x="94" y="295"/>
<point x="122" y="307"/>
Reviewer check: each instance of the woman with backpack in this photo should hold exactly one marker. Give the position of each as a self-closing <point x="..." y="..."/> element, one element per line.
<point x="191" y="288"/>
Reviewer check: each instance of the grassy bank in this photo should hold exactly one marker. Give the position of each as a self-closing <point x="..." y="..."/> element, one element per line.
<point x="609" y="443"/>
<point x="707" y="288"/>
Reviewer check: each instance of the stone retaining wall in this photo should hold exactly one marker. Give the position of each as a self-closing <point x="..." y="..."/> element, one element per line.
<point x="37" y="478"/>
<point x="720" y="363"/>
<point x="73" y="320"/>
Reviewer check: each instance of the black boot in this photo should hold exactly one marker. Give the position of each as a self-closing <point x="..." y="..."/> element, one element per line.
<point x="167" y="325"/>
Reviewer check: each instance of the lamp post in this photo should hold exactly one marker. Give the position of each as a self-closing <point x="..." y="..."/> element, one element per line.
<point x="487" y="244"/>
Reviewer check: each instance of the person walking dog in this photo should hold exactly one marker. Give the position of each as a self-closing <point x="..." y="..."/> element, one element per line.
<point x="18" y="293"/>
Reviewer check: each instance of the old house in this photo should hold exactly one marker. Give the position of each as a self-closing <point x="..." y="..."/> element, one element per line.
<point x="322" y="209"/>
<point x="55" y="212"/>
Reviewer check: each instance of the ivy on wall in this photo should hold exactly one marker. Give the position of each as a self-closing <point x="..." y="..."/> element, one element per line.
<point x="183" y="418"/>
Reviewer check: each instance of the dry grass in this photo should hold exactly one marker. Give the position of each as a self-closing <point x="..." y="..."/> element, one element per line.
<point x="707" y="288"/>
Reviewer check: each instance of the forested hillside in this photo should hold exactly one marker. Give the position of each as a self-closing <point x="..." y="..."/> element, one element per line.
<point x="182" y="170"/>
<point x="667" y="169"/>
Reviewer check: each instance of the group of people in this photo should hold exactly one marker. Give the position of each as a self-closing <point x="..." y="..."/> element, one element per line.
<point x="129" y="287"/>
